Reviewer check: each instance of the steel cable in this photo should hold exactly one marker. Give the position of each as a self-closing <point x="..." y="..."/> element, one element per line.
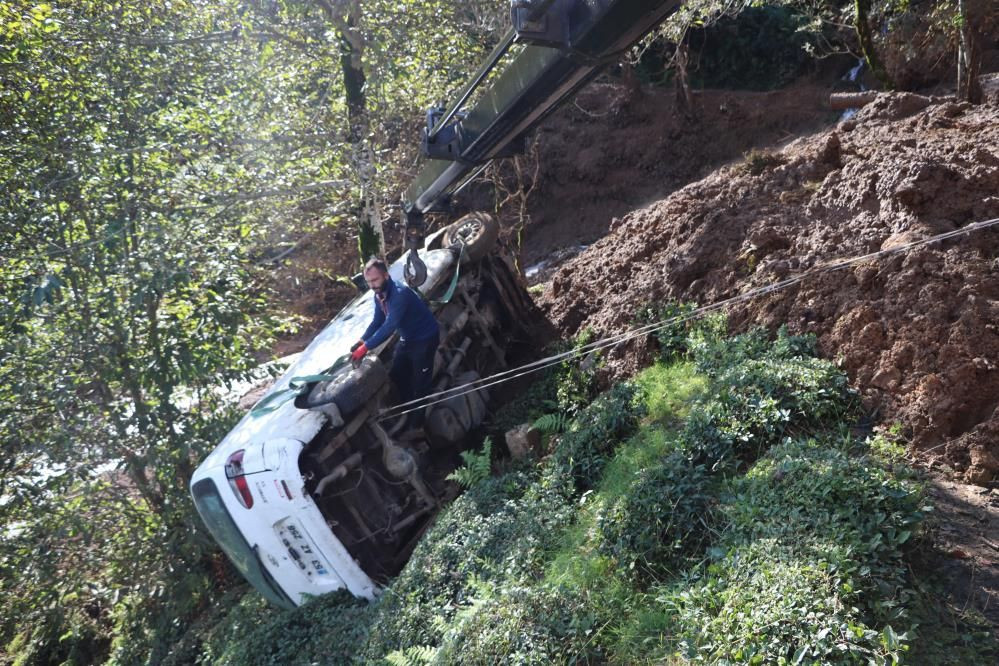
<point x="613" y="340"/>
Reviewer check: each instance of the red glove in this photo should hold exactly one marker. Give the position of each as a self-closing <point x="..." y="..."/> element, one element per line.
<point x="359" y="353"/>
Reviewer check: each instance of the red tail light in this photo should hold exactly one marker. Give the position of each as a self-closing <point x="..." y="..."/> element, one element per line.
<point x="234" y="472"/>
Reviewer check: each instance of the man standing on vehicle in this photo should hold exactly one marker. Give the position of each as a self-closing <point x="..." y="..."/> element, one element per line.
<point x="397" y="307"/>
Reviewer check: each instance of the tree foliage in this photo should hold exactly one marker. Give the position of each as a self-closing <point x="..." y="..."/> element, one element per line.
<point x="153" y="156"/>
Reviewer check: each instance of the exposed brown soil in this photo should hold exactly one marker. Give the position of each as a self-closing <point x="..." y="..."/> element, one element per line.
<point x="917" y="333"/>
<point x="615" y="149"/>
<point x="963" y="550"/>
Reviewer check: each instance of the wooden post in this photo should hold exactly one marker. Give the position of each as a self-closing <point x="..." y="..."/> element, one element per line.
<point x="844" y="101"/>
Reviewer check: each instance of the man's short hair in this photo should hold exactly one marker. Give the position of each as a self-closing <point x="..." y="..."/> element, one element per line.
<point x="375" y="262"/>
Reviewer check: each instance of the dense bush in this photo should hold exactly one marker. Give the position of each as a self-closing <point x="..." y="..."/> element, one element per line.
<point x="499" y="529"/>
<point x="810" y="565"/>
<point x="661" y="521"/>
<point x="326" y="630"/>
<point x="762" y="390"/>
<point x="525" y="624"/>
<point x="714" y="353"/>
<point x="585" y="448"/>
<point x="847" y="510"/>
<point x="675" y="324"/>
<point x="765" y="604"/>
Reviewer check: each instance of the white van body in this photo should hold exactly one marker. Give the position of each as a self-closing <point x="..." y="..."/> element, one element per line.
<point x="308" y="500"/>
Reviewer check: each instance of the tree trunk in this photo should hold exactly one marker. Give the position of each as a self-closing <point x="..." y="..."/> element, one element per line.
<point x="969" y="60"/>
<point x="371" y="237"/>
<point x="353" y="83"/>
<point x="863" y="28"/>
<point x="684" y="99"/>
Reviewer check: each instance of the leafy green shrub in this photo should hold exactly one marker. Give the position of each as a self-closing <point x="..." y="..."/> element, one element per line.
<point x="714" y="353"/>
<point x="672" y="336"/>
<point x="859" y="514"/>
<point x="328" y="629"/>
<point x="582" y="452"/>
<point x="810" y="565"/>
<point x="661" y="521"/>
<point x="763" y="391"/>
<point x="500" y="528"/>
<point x="576" y="383"/>
<point x="521" y="624"/>
<point x="811" y="391"/>
<point x="888" y="446"/>
<point x="763" y="603"/>
<point x="68" y="638"/>
<point x="193" y="644"/>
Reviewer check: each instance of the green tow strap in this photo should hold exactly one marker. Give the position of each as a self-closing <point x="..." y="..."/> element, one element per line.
<point x="296" y="387"/>
<point x="454" y="280"/>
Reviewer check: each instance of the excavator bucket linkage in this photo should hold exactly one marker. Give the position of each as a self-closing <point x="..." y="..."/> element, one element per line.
<point x="562" y="45"/>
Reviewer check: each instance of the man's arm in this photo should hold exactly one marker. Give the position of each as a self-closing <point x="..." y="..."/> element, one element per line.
<point x="397" y="311"/>
<point x="375" y="324"/>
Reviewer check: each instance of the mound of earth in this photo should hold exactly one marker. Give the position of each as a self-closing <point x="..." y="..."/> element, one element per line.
<point x="917" y="332"/>
<point x="615" y="148"/>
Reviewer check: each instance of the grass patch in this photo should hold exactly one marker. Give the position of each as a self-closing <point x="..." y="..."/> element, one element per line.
<point x="758" y="161"/>
<point x="669" y="391"/>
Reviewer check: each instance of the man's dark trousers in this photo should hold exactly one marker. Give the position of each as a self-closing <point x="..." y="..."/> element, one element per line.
<point x="413" y="373"/>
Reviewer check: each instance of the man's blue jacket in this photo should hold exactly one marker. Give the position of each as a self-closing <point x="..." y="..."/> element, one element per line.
<point x="402" y="309"/>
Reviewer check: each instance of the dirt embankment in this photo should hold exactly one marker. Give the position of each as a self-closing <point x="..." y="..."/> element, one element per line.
<point x="614" y="149"/>
<point x="918" y="333"/>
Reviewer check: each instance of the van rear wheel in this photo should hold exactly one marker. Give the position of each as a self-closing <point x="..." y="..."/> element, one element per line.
<point x="476" y="231"/>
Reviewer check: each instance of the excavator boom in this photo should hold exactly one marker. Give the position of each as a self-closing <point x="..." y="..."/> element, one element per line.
<point x="554" y="47"/>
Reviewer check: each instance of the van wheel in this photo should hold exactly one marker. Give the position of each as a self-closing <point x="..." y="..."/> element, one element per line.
<point x="350" y="387"/>
<point x="477" y="231"/>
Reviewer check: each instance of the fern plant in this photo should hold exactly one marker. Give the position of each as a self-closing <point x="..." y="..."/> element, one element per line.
<point x="412" y="656"/>
<point x="477" y="467"/>
<point x="549" y="424"/>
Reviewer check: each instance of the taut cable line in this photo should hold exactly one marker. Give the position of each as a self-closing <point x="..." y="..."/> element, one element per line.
<point x="613" y="340"/>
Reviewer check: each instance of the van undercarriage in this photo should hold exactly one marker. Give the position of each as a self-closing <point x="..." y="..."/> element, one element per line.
<point x="376" y="483"/>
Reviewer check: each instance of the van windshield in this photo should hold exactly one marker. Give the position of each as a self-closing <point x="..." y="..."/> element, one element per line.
<point x="212" y="509"/>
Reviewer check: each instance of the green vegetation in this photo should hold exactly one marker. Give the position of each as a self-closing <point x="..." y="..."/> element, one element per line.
<point x="759" y="161"/>
<point x="714" y="510"/>
<point x="477" y="467"/>
<point x="557" y="393"/>
<point x="754" y="45"/>
<point x="761" y="48"/>
<point x="157" y="160"/>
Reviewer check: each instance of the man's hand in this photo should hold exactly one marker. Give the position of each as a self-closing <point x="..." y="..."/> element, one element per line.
<point x="357" y="353"/>
<point x="357" y="344"/>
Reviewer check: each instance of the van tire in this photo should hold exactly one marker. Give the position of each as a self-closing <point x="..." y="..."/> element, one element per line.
<point x="477" y="231"/>
<point x="350" y="387"/>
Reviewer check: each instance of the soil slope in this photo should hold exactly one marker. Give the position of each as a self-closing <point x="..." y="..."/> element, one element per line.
<point x="917" y="333"/>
